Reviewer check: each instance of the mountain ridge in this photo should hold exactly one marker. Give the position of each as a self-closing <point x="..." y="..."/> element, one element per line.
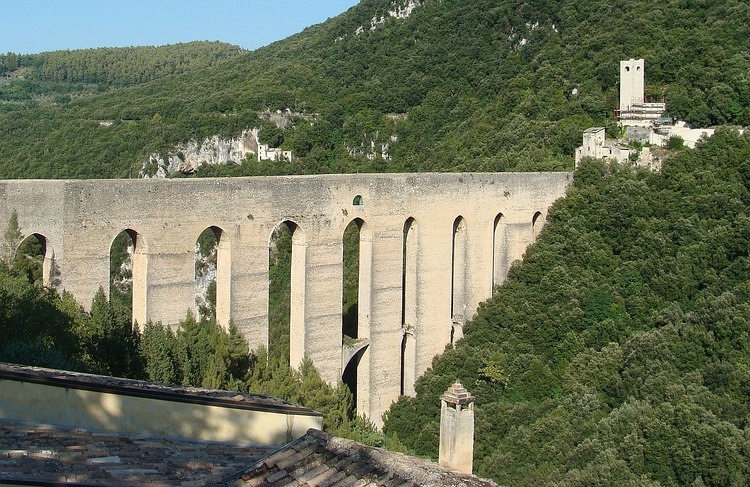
<point x="491" y="85"/>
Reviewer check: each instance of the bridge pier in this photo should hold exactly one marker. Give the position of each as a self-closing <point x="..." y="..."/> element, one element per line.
<point x="379" y="372"/>
<point x="317" y="304"/>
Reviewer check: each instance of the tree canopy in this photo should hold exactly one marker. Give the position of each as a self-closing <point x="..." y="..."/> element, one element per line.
<point x="489" y="85"/>
<point x="616" y="353"/>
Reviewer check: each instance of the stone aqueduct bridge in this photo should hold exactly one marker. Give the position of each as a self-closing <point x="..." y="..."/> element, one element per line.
<point x="431" y="248"/>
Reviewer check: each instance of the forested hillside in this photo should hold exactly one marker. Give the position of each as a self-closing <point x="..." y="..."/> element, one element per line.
<point x="487" y="85"/>
<point x="618" y="352"/>
<point x="58" y="77"/>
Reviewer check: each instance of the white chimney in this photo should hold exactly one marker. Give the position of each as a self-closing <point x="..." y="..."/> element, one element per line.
<point x="457" y="429"/>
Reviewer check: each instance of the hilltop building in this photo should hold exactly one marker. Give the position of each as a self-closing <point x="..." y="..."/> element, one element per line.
<point x="642" y="121"/>
<point x="634" y="109"/>
<point x="597" y="146"/>
<point x="274" y="154"/>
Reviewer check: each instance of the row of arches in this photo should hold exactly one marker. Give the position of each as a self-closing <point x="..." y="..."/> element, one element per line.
<point x="459" y="294"/>
<point x="286" y="269"/>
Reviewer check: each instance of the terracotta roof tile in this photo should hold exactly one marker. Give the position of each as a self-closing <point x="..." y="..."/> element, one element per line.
<point x="41" y="453"/>
<point x="320" y="460"/>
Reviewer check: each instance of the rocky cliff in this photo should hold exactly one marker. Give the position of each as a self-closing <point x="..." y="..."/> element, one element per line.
<point x="187" y="158"/>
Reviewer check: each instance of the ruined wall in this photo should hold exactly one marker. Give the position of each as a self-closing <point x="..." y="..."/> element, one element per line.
<point x="502" y="213"/>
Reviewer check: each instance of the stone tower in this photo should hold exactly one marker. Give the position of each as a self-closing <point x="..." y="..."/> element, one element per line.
<point x="632" y="83"/>
<point x="457" y="429"/>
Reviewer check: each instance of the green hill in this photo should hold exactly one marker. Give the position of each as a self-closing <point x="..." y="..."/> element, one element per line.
<point x="484" y="85"/>
<point x="617" y="353"/>
<point x="27" y="81"/>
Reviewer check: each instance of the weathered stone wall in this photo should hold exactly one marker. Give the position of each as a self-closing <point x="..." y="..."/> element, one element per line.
<point x="80" y="219"/>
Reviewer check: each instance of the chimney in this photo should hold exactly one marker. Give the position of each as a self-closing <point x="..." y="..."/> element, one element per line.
<point x="457" y="429"/>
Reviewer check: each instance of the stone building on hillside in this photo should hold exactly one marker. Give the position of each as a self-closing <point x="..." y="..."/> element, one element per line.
<point x="597" y="146"/>
<point x="634" y="109"/>
<point x="643" y="123"/>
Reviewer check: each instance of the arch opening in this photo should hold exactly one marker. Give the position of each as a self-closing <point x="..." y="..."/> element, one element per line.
<point x="408" y="364"/>
<point x="350" y="299"/>
<point x="212" y="276"/>
<point x="351" y="280"/>
<point x="358" y="200"/>
<point x="409" y="306"/>
<point x="537" y="223"/>
<point x="34" y="258"/>
<point x="351" y="374"/>
<point x="286" y="296"/>
<point x="458" y="267"/>
<point x="499" y="251"/>
<point x="127" y="275"/>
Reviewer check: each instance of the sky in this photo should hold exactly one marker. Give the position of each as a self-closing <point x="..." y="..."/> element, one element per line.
<point x="34" y="26"/>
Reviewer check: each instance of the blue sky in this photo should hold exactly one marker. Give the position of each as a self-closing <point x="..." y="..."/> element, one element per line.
<point x="33" y="26"/>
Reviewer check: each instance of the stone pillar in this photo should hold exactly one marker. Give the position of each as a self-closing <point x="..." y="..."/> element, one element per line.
<point x="457" y="429"/>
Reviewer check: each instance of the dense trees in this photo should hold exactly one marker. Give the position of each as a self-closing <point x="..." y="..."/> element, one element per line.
<point x="487" y="85"/>
<point x="615" y="354"/>
<point x="58" y="76"/>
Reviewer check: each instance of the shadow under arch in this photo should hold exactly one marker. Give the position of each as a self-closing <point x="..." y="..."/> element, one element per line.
<point x="353" y="355"/>
<point x="128" y="265"/>
<point x="213" y="275"/>
<point x="287" y="254"/>
<point x="35" y="257"/>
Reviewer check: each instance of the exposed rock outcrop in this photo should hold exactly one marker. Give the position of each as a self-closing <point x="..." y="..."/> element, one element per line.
<point x="398" y="9"/>
<point x="187" y="158"/>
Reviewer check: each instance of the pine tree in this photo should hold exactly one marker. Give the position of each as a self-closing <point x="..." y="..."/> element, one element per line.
<point x="12" y="237"/>
<point x="158" y="348"/>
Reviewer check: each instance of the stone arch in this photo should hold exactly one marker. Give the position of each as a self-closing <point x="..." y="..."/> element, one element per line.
<point x="459" y="263"/>
<point x="38" y="257"/>
<point x="213" y="268"/>
<point x="409" y="305"/>
<point x="358" y="200"/>
<point x="351" y="375"/>
<point x="356" y="287"/>
<point x="128" y="272"/>
<point x="287" y="253"/>
<point x="351" y="258"/>
<point x="499" y="250"/>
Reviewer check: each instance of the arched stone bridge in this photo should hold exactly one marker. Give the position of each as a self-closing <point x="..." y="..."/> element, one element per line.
<point x="431" y="248"/>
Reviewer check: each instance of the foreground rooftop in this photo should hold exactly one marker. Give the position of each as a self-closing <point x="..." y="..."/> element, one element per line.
<point x="45" y="455"/>
<point x="38" y="448"/>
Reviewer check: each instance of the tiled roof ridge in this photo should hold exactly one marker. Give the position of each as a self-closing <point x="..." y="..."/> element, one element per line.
<point x="410" y="468"/>
<point x="141" y="388"/>
<point x="318" y="458"/>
